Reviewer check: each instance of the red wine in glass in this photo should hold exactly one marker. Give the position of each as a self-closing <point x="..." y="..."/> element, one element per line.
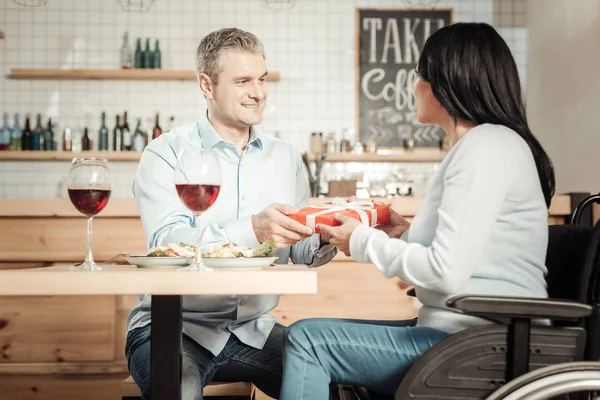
<point x="89" y="202"/>
<point x="198" y="183"/>
<point x="198" y="198"/>
<point x="89" y="190"/>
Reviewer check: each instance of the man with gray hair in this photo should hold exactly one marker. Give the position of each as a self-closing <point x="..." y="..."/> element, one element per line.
<point x="226" y="338"/>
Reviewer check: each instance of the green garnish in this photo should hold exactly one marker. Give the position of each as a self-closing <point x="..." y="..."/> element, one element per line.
<point x="267" y="249"/>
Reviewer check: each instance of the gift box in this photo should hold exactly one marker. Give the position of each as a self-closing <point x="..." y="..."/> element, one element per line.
<point x="367" y="212"/>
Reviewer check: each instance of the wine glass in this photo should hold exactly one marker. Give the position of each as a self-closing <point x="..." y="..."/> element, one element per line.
<point x="198" y="182"/>
<point x="89" y="191"/>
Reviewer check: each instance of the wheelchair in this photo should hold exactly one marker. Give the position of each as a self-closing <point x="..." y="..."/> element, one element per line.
<point x="513" y="358"/>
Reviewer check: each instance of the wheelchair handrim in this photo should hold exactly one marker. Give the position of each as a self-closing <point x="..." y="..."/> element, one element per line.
<point x="553" y="385"/>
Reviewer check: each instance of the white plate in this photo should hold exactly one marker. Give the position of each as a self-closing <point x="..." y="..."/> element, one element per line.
<point x="143" y="261"/>
<point x="238" y="262"/>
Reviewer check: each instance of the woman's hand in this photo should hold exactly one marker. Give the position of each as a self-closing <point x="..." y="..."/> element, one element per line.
<point x="339" y="236"/>
<point x="396" y="226"/>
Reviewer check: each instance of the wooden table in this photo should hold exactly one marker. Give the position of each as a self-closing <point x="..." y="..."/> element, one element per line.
<point x="166" y="287"/>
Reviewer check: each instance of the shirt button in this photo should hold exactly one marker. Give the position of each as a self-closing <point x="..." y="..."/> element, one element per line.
<point x="243" y="197"/>
<point x="242" y="303"/>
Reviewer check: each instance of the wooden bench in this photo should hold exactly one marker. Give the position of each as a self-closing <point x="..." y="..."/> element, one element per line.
<point x="214" y="390"/>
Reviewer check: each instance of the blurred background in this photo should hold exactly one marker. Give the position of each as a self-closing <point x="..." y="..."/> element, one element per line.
<point x="70" y="68"/>
<point x="311" y="51"/>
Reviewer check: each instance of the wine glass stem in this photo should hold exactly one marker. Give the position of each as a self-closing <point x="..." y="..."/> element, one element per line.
<point x="198" y="257"/>
<point x="89" y="259"/>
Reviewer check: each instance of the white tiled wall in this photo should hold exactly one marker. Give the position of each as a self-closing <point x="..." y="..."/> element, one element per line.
<point x="43" y="179"/>
<point x="312" y="45"/>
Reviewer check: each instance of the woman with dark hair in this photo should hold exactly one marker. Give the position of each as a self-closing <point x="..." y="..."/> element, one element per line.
<point x="482" y="228"/>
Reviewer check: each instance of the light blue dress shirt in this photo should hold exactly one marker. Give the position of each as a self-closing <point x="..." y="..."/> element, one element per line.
<point x="268" y="171"/>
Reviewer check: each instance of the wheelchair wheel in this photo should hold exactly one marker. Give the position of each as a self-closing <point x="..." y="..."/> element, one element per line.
<point x="551" y="381"/>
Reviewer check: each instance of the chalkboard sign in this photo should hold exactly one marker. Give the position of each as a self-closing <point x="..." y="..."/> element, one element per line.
<point x="389" y="46"/>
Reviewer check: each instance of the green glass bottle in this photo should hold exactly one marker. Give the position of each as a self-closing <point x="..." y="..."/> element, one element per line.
<point x="148" y="55"/>
<point x="103" y="135"/>
<point x="156" y="56"/>
<point x="49" y="137"/>
<point x="138" y="61"/>
<point x="38" y="135"/>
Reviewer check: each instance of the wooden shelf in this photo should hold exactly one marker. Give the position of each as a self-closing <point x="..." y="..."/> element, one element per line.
<point x="114" y="74"/>
<point x="67" y="155"/>
<point x="417" y="155"/>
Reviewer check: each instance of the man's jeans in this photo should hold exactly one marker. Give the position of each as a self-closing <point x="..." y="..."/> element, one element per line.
<point x="236" y="363"/>
<point x="372" y="354"/>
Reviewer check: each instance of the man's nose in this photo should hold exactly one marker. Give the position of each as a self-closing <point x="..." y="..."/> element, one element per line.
<point x="257" y="91"/>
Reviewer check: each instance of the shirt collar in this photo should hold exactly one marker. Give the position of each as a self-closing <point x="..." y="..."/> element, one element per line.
<point x="255" y="138"/>
<point x="211" y="138"/>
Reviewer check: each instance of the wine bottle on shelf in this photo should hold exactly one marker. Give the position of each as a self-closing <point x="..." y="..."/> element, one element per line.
<point x="126" y="52"/>
<point x="156" y="56"/>
<point x="5" y="134"/>
<point x="103" y="135"/>
<point x="67" y="140"/>
<point x="148" y="131"/>
<point x="15" y="134"/>
<point x="127" y="139"/>
<point x="38" y="135"/>
<point x="156" y="131"/>
<point x="110" y="143"/>
<point x="139" y="141"/>
<point x="86" y="142"/>
<point x="118" y="136"/>
<point x="76" y="139"/>
<point x="138" y="56"/>
<point x="148" y="55"/>
<point x="171" y="124"/>
<point x="49" y="137"/>
<point x="26" y="137"/>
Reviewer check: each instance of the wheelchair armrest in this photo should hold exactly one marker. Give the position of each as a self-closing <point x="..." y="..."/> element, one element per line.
<point x="516" y="307"/>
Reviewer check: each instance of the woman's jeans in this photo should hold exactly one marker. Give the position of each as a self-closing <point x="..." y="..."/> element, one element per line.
<point x="372" y="354"/>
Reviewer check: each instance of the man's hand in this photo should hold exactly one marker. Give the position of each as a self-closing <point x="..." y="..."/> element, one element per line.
<point x="396" y="226"/>
<point x="272" y="224"/>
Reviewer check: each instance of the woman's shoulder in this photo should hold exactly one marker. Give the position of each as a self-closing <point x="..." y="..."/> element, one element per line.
<point x="490" y="136"/>
<point x="489" y="146"/>
<point x="495" y="141"/>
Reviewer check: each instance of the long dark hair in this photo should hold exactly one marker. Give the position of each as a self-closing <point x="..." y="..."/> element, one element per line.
<point x="474" y="77"/>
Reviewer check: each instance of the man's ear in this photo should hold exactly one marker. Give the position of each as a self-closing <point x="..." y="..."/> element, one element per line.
<point x="206" y="85"/>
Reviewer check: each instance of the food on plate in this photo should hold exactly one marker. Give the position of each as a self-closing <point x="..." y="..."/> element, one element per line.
<point x="230" y="250"/>
<point x="224" y="251"/>
<point x="173" y="250"/>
